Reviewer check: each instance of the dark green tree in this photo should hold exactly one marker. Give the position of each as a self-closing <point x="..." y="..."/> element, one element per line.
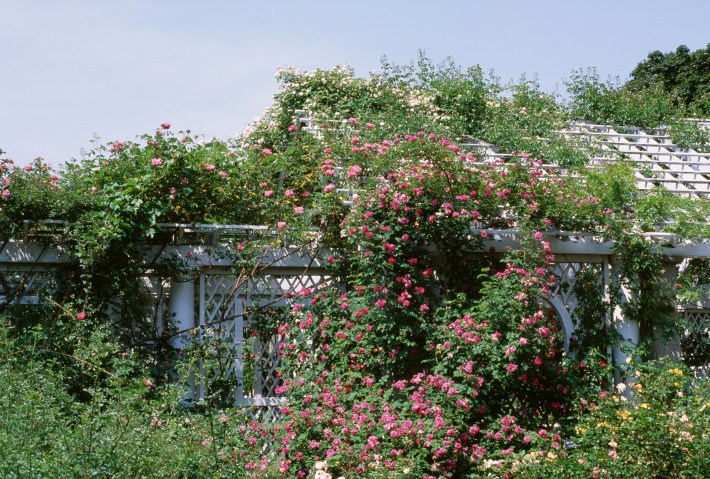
<point x="682" y="73"/>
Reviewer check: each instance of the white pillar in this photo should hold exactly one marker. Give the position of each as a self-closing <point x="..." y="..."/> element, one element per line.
<point x="627" y="328"/>
<point x="182" y="310"/>
<point x="665" y="347"/>
<point x="182" y="314"/>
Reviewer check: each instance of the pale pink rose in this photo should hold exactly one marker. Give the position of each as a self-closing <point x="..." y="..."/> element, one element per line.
<point x="156" y="161"/>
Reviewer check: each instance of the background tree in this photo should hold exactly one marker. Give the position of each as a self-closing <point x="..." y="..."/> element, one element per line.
<point x="683" y="74"/>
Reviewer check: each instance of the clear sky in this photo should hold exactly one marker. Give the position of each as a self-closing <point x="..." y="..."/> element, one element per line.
<point x="72" y="70"/>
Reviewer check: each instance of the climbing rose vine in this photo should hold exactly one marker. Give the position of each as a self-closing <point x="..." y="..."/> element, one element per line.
<point x="417" y="359"/>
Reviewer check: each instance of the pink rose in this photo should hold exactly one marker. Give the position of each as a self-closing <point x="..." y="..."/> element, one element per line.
<point x="354" y="170"/>
<point x="81" y="316"/>
<point x="165" y="126"/>
<point x="156" y="161"/>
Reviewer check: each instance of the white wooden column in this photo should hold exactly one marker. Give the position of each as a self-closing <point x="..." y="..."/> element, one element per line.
<point x="664" y="347"/>
<point x="627" y="328"/>
<point x="182" y="316"/>
<point x="182" y="310"/>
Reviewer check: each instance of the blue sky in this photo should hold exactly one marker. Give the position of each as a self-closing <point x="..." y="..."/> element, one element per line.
<point x="72" y="70"/>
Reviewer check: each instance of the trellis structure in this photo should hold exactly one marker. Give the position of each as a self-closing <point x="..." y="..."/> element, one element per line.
<point x="657" y="160"/>
<point x="215" y="302"/>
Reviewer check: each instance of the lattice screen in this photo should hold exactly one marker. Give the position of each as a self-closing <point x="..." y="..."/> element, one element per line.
<point x="695" y="342"/>
<point x="563" y="296"/>
<point x="228" y="312"/>
<point x="26" y="287"/>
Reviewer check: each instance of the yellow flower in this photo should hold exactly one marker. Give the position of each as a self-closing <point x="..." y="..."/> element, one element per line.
<point x="676" y="371"/>
<point x="644" y="406"/>
<point x="623" y="415"/>
<point x="602" y="424"/>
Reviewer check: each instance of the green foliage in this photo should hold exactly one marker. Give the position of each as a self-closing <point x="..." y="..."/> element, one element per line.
<point x="682" y="74"/>
<point x="688" y="134"/>
<point x="615" y="104"/>
<point x="657" y="428"/>
<point x="120" y="424"/>
<point x="658" y="209"/>
<point x="693" y="280"/>
<point x="615" y="184"/>
<point x="649" y="297"/>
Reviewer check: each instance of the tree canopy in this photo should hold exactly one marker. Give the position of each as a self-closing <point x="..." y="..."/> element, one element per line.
<point x="683" y="74"/>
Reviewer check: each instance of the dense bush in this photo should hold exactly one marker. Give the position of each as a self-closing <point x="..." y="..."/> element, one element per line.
<point x="653" y="425"/>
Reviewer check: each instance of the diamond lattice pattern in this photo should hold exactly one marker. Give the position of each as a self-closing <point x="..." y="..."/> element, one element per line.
<point x="695" y="342"/>
<point x="248" y="359"/>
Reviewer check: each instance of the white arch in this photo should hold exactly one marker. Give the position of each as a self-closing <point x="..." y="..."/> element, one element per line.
<point x="564" y="318"/>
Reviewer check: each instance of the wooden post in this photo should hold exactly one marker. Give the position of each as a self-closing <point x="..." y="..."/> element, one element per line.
<point x="627" y="328"/>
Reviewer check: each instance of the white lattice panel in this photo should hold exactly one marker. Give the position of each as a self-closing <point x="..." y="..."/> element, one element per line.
<point x="26" y="287"/>
<point x="228" y="311"/>
<point x="695" y="342"/>
<point x="563" y="295"/>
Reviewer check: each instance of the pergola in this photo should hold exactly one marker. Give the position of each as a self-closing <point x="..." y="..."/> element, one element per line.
<point x="213" y="297"/>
